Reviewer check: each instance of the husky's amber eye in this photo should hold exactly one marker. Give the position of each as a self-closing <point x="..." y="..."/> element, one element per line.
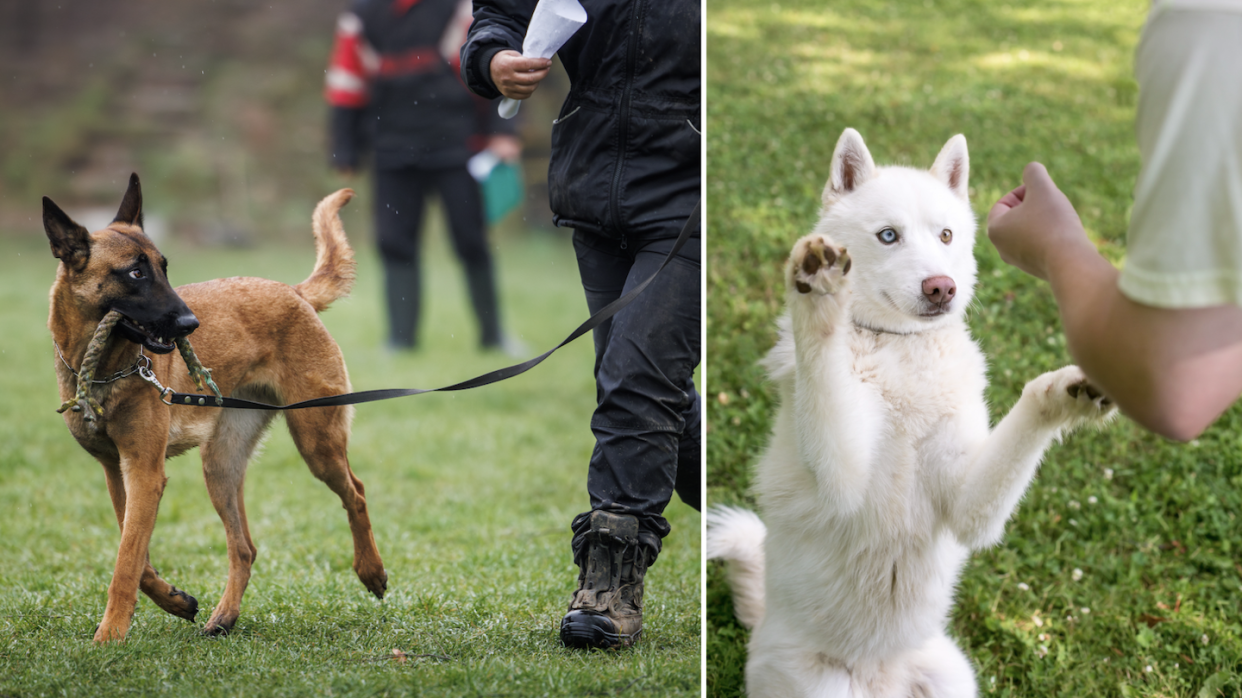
<point x="946" y="236"/>
<point x="136" y="274"/>
<point x="887" y="236"/>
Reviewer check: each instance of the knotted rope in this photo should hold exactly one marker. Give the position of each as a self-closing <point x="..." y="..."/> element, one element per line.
<point x="83" y="401"/>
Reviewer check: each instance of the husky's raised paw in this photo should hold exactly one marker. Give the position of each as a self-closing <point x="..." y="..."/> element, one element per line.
<point x="1084" y="389"/>
<point x="817" y="265"/>
<point x="1072" y="399"/>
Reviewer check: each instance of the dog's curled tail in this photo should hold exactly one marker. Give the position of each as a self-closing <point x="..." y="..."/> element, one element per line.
<point x="333" y="276"/>
<point x="736" y="536"/>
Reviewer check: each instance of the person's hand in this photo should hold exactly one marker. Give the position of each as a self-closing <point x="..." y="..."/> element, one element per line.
<point x="505" y="147"/>
<point x="1034" y="223"/>
<point x="517" y="76"/>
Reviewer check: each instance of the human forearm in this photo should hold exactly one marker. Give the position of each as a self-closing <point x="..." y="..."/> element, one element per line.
<point x="1171" y="370"/>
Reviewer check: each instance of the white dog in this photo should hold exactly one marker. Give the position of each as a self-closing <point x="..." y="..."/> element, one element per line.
<point x="881" y="474"/>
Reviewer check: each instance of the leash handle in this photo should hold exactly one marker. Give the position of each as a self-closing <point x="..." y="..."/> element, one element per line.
<point x="196" y="400"/>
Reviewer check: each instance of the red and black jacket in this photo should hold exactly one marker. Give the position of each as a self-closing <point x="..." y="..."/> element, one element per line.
<point x="393" y="87"/>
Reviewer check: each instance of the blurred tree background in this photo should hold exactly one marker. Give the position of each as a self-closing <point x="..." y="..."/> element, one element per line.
<point x="217" y="105"/>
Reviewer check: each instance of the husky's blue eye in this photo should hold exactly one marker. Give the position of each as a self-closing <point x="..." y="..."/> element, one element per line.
<point x="887" y="236"/>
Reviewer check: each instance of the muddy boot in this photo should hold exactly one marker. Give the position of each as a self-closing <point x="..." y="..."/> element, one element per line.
<point x="607" y="608"/>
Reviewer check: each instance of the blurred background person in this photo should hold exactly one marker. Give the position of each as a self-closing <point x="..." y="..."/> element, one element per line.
<point x="393" y="89"/>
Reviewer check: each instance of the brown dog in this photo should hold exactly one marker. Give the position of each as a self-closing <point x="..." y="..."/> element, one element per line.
<point x="263" y="340"/>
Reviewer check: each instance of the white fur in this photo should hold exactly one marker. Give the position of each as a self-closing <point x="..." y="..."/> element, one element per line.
<point x="881" y="473"/>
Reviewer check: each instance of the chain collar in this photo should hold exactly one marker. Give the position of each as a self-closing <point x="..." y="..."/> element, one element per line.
<point x="143" y="362"/>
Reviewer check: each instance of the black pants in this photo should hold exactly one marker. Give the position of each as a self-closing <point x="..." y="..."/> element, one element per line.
<point x="647" y="417"/>
<point x="400" y="196"/>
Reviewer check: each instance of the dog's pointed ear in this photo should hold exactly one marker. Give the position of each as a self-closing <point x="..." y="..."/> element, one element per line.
<point x="852" y="166"/>
<point x="952" y="167"/>
<point x="130" y="212"/>
<point x="71" y="243"/>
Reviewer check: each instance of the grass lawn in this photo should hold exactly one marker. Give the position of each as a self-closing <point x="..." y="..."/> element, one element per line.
<point x="1154" y="526"/>
<point x="471" y="495"/>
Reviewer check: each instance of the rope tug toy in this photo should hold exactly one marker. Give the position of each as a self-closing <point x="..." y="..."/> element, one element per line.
<point x="201" y="374"/>
<point x="83" y="401"/>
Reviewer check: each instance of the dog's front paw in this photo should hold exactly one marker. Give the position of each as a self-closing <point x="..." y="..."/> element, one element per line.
<point x="1069" y="398"/>
<point x="817" y="265"/>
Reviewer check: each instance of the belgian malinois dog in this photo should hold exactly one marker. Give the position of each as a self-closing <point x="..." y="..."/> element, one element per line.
<point x="262" y="339"/>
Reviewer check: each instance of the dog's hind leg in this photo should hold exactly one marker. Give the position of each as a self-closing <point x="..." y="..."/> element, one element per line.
<point x="941" y="671"/>
<point x="165" y="595"/>
<point x="224" y="468"/>
<point x="781" y="670"/>
<point x="322" y="435"/>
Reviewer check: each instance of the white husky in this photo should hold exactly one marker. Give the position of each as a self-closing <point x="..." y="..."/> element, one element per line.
<point x="881" y="474"/>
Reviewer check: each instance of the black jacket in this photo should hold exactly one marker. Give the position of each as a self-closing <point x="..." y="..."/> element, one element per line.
<point x="625" y="148"/>
<point x="412" y="108"/>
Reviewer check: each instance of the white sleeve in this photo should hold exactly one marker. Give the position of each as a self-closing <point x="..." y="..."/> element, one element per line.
<point x="1184" y="247"/>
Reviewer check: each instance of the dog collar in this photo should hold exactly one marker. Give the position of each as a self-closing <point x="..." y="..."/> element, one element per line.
<point x="876" y="330"/>
<point x="143" y="361"/>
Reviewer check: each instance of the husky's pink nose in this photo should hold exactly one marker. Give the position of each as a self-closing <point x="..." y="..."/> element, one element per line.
<point x="939" y="289"/>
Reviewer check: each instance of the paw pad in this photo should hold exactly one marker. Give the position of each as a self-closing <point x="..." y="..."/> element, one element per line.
<point x="1093" y="393"/>
<point x="818" y="256"/>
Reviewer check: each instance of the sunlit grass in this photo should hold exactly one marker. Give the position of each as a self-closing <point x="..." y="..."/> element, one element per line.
<point x="470" y="494"/>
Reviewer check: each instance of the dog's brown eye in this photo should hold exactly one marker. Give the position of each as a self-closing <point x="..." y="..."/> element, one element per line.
<point x="946" y="236"/>
<point x="136" y="274"/>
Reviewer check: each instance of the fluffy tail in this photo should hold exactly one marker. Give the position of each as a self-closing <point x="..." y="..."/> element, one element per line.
<point x="334" y="264"/>
<point x="736" y="536"/>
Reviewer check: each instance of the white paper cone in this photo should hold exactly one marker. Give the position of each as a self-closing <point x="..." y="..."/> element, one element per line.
<point x="551" y="25"/>
<point x="508" y="108"/>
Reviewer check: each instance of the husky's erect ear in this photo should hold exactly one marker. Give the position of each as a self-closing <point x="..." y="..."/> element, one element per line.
<point x="952" y="167"/>
<point x="71" y="243"/>
<point x="851" y="167"/>
<point x="131" y="206"/>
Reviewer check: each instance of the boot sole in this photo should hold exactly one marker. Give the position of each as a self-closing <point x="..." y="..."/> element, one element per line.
<point x="585" y="631"/>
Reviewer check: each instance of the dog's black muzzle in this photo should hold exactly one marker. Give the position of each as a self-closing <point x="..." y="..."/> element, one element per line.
<point x="158" y="335"/>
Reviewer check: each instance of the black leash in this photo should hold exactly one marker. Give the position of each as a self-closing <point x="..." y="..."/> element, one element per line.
<point x="174" y="398"/>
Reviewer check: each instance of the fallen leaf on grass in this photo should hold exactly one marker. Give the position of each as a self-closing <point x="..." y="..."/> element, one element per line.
<point x="1174" y="545"/>
<point x="1177" y="606"/>
<point x="1152" y="621"/>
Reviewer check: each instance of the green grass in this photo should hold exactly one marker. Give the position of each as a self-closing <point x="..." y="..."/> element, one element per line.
<point x="470" y="493"/>
<point x="1160" y="548"/>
